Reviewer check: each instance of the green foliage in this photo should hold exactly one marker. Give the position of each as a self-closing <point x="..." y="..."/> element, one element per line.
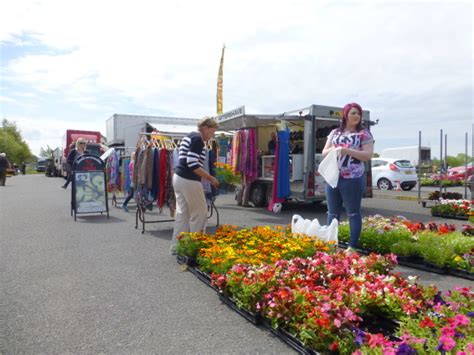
<point x="458" y="160"/>
<point x="446" y="183"/>
<point x="442" y="250"/>
<point x="405" y="248"/>
<point x="12" y="143"/>
<point x="188" y="246"/>
<point x="343" y="233"/>
<point x="382" y="241"/>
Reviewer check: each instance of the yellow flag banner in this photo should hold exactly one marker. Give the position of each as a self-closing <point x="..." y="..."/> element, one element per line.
<point x="220" y="79"/>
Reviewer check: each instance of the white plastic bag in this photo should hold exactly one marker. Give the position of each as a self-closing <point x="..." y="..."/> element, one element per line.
<point x="329" y="168"/>
<point x="299" y="225"/>
<point x="325" y="233"/>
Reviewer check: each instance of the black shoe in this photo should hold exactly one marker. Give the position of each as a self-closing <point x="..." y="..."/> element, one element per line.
<point x="64" y="186"/>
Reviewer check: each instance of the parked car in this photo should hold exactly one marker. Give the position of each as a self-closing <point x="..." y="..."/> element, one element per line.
<point x="457" y="173"/>
<point x="387" y="171"/>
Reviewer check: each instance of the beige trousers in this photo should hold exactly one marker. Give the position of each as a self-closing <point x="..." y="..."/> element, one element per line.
<point x="191" y="207"/>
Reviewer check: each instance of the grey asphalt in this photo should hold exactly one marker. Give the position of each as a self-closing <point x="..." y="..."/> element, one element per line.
<point x="100" y="286"/>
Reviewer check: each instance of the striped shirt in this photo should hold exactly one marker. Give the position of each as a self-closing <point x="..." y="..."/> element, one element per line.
<point x="191" y="156"/>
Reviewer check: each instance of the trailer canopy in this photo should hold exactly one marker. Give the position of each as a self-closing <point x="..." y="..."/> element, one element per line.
<point x="237" y="119"/>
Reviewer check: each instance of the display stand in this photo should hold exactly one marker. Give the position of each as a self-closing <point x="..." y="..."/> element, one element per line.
<point x="141" y="213"/>
<point x="88" y="193"/>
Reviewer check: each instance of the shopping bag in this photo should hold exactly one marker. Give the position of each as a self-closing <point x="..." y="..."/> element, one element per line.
<point x="313" y="228"/>
<point x="325" y="233"/>
<point x="298" y="224"/>
<point x="329" y="168"/>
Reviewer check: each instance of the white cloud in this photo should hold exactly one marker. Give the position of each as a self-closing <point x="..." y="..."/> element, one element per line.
<point x="402" y="60"/>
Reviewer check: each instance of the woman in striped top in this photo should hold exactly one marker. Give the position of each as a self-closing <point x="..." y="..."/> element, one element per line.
<point x="191" y="207"/>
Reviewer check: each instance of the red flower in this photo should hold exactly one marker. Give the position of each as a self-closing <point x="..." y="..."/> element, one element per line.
<point x="427" y="322"/>
<point x="334" y="346"/>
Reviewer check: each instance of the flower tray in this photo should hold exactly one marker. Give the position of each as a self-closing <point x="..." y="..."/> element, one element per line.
<point x="461" y="218"/>
<point x="343" y="245"/>
<point x="254" y="318"/>
<point x="461" y="273"/>
<point x="419" y="263"/>
<point x="288" y="339"/>
<point x="186" y="260"/>
<point x="201" y="275"/>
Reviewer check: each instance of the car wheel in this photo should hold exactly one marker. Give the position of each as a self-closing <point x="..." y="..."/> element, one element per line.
<point x="407" y="188"/>
<point x="384" y="184"/>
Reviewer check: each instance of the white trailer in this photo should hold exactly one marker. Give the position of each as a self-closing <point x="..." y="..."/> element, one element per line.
<point x="311" y="126"/>
<point x="412" y="153"/>
<point x="124" y="130"/>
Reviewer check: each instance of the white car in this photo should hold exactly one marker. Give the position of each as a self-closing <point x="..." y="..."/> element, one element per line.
<point x="388" y="172"/>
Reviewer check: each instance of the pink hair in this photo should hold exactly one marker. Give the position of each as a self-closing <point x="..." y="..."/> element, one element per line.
<point x="345" y="112"/>
<point x="348" y="107"/>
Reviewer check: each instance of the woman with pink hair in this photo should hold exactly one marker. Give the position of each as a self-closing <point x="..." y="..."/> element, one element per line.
<point x="355" y="145"/>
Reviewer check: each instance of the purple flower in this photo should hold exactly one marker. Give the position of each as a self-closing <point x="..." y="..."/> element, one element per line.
<point x="470" y="314"/>
<point x="405" y="349"/>
<point x="359" y="336"/>
<point x="458" y="335"/>
<point x="438" y="299"/>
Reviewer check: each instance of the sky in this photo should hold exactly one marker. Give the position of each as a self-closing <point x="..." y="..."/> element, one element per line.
<point x="73" y="64"/>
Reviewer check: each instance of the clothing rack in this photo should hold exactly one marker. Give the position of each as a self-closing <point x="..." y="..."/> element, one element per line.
<point x="140" y="215"/>
<point x="166" y="141"/>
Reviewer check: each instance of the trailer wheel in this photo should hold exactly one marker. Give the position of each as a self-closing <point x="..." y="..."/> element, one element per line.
<point x="258" y="194"/>
<point x="269" y="194"/>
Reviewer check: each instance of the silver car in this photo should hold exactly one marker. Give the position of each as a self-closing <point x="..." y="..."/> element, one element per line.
<point x="389" y="173"/>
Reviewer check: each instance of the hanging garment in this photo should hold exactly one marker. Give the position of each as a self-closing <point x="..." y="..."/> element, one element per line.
<point x="275" y="199"/>
<point x="163" y="165"/>
<point x="236" y="151"/>
<point x="283" y="183"/>
<point x="113" y="172"/>
<point x="170" y="197"/>
<point x="251" y="171"/>
<point x="156" y="174"/>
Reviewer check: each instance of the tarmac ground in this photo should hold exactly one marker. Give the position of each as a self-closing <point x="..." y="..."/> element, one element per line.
<point x="98" y="285"/>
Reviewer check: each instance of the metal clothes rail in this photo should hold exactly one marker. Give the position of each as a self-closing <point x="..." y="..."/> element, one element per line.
<point x="140" y="215"/>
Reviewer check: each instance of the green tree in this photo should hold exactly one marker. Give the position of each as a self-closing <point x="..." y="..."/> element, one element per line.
<point x="46" y="153"/>
<point x="12" y="143"/>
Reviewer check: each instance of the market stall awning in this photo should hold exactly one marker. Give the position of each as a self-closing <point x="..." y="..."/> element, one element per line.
<point x="237" y="119"/>
<point x="173" y="130"/>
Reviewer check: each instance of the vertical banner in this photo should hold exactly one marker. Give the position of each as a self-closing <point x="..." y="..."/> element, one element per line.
<point x="220" y="80"/>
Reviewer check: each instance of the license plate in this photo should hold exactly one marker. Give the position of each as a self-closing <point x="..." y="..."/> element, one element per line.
<point x="408" y="172"/>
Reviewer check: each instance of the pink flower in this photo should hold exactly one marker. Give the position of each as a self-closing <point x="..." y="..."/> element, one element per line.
<point x="337" y="323"/>
<point x="446" y="343"/>
<point x="377" y="340"/>
<point x="461" y="319"/>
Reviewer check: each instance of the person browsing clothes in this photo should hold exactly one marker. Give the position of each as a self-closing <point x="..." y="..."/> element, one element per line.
<point x="73" y="155"/>
<point x="191" y="206"/>
<point x="356" y="145"/>
<point x="131" y="190"/>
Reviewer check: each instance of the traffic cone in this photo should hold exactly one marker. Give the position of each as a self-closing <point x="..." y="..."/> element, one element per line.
<point x="398" y="188"/>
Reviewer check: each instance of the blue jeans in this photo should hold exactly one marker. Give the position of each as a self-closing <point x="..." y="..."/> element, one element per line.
<point x="129" y="196"/>
<point x="348" y="192"/>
